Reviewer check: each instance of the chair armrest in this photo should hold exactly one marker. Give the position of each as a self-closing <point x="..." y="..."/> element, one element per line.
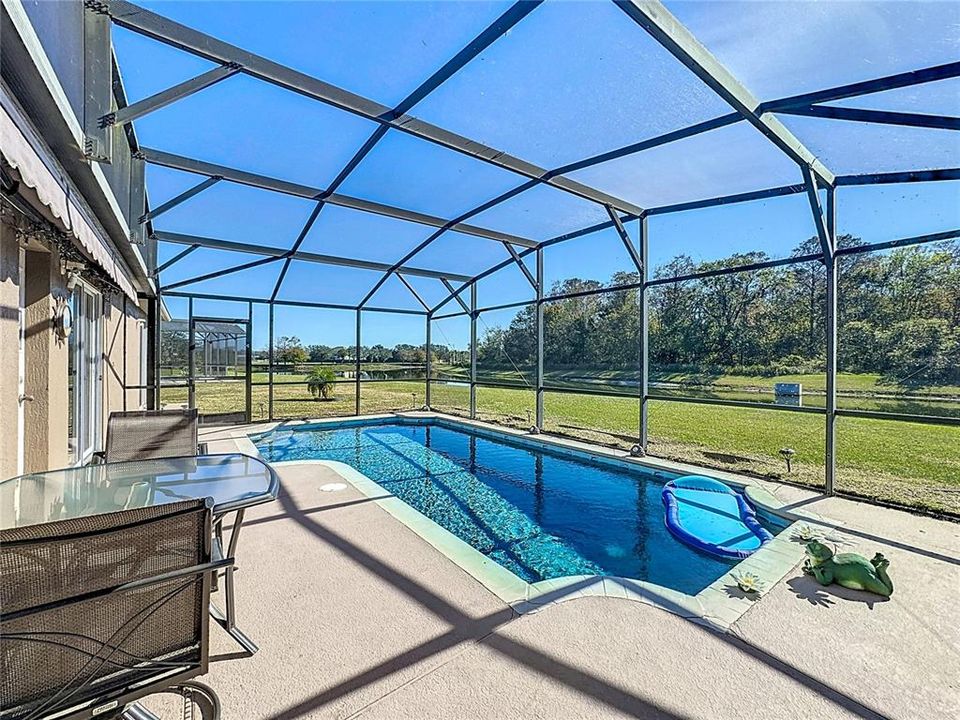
<point x="201" y="448"/>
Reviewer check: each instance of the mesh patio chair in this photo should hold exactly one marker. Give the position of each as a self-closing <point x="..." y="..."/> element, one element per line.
<point x="151" y="434"/>
<point x="99" y="611"/>
<point x="157" y="434"/>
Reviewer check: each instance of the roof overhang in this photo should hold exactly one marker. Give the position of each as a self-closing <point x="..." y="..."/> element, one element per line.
<point x="32" y="80"/>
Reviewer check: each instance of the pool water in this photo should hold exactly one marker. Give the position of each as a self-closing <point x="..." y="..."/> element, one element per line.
<point x="539" y="514"/>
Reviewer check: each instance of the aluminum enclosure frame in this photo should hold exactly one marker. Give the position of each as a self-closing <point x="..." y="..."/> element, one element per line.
<point x="813" y="178"/>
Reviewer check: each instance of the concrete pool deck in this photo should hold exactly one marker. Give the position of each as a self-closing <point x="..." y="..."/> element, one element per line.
<point x="356" y="615"/>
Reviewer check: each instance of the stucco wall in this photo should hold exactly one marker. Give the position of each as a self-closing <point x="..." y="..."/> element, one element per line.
<point x="113" y="359"/>
<point x="46" y="355"/>
<point x="9" y="303"/>
<point x="136" y="320"/>
<point x="121" y="368"/>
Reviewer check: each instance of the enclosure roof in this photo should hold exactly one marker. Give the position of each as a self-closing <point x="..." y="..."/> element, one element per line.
<point x="216" y="327"/>
<point x="406" y="149"/>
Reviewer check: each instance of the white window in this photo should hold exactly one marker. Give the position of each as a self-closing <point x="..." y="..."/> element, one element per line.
<point x="85" y="370"/>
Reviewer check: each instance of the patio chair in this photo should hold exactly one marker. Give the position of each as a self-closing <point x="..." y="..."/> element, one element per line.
<point x="100" y="611"/>
<point x="157" y="434"/>
<point x="150" y="434"/>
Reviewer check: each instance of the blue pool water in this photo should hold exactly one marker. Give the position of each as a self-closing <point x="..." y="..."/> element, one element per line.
<point x="540" y="515"/>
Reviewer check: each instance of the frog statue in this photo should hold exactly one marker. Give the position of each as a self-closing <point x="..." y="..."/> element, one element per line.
<point x="848" y="569"/>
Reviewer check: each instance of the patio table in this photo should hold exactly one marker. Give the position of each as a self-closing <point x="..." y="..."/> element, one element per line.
<point x="234" y="481"/>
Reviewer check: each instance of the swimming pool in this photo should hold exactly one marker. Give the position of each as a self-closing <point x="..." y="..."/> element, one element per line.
<point x="536" y="512"/>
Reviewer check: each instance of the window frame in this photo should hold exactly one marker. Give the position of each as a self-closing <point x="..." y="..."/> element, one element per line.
<point x="86" y="357"/>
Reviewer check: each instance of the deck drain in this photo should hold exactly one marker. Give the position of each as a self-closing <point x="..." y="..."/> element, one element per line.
<point x="333" y="487"/>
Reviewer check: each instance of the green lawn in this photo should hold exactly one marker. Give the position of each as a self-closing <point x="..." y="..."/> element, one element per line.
<point x="853" y="383"/>
<point x="869" y="383"/>
<point x="913" y="464"/>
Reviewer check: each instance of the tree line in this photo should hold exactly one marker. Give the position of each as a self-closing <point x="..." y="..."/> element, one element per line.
<point x="898" y="315"/>
<point x="289" y="350"/>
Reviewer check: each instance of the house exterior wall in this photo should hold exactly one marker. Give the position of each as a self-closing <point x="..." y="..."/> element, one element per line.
<point x="36" y="289"/>
<point x="59" y="26"/>
<point x="9" y="349"/>
<point x="43" y="65"/>
<point x="136" y="319"/>
<point x="45" y="361"/>
<point x="46" y="417"/>
<point x="114" y="324"/>
<point x="121" y="352"/>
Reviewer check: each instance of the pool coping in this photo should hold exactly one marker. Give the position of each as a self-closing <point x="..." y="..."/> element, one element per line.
<point x="719" y="605"/>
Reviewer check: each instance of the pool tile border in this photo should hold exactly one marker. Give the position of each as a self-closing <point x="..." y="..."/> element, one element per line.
<point x="717" y="606"/>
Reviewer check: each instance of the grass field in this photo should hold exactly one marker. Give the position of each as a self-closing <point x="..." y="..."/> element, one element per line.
<point x="911" y="464"/>
<point x="866" y="383"/>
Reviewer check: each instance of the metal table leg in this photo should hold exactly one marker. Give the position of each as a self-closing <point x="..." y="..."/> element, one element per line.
<point x="227" y="620"/>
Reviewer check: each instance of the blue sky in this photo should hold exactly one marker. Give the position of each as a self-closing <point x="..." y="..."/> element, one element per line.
<point x="571" y="80"/>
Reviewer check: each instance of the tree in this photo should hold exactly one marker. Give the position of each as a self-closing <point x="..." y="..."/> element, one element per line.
<point x="288" y="350"/>
<point x="320" y="382"/>
<point x="379" y="354"/>
<point x="319" y="353"/>
<point x="405" y="353"/>
<point x="922" y="352"/>
<point x="898" y="314"/>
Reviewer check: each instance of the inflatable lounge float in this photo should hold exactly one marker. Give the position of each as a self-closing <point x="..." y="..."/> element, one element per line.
<point x="710" y="516"/>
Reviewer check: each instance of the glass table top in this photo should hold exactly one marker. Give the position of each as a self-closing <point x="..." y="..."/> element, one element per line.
<point x="234" y="481"/>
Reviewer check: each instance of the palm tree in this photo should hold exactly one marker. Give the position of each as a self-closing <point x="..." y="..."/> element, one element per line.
<point x="320" y="382"/>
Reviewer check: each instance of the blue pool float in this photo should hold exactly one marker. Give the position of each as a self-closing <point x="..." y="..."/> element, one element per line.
<point x="710" y="516"/>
